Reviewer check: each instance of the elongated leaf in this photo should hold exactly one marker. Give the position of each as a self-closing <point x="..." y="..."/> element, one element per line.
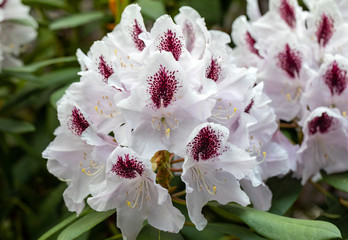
<point x="57" y="95"/>
<point x="84" y="224"/>
<point x="24" y="21"/>
<point x="191" y="233"/>
<point x="45" y="3"/>
<point x="235" y="230"/>
<point x="59" y="77"/>
<point x="76" y="20"/>
<point x="63" y="224"/>
<point x="285" y="192"/>
<point x="152" y="8"/>
<point x="36" y="66"/>
<point x="278" y="227"/>
<point x="339" y="181"/>
<point x="15" y="126"/>
<point x="148" y="232"/>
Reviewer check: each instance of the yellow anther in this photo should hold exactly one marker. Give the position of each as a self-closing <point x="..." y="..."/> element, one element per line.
<point x="96" y="108"/>
<point x="168" y="132"/>
<point x="234" y="110"/>
<point x="344" y="114"/>
<point x="288" y="96"/>
<point x="129" y="204"/>
<point x="214" y="189"/>
<point x="83" y="170"/>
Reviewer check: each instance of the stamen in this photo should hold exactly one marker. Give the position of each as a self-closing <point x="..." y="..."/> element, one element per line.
<point x="199" y="178"/>
<point x="297" y="96"/>
<point x="263" y="159"/>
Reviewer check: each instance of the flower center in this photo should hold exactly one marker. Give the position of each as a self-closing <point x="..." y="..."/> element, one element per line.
<point x="336" y="79"/>
<point x="171" y="43"/>
<point x="77" y="122"/>
<point x="136" y="30"/>
<point x="213" y="71"/>
<point x="206" y="144"/>
<point x="287" y="13"/>
<point x="128" y="167"/>
<point x="325" y="29"/>
<point x="321" y="124"/>
<point x="251" y="44"/>
<point x="290" y="61"/>
<point x="104" y="69"/>
<point x="162" y="87"/>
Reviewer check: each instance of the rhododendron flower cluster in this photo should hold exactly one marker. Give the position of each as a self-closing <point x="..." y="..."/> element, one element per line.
<point x="17" y="28"/>
<point x="149" y="100"/>
<point x="301" y="57"/>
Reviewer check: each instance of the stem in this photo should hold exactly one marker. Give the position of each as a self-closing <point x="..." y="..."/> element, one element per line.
<point x="178" y="194"/>
<point x="288" y="125"/>
<point x="176" y="169"/>
<point x="118" y="236"/>
<point x="178" y="200"/>
<point x="321" y="189"/>
<point x="177" y="161"/>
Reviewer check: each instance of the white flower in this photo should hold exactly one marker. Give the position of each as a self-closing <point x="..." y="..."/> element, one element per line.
<point x="212" y="169"/>
<point x="325" y="143"/>
<point x="78" y="154"/>
<point x="130" y="187"/>
<point x="14" y="35"/>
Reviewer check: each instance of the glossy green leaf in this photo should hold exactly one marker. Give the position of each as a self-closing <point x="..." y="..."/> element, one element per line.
<point x="36" y="66"/>
<point x="76" y="20"/>
<point x="339" y="181"/>
<point x="152" y="8"/>
<point x="191" y="233"/>
<point x="234" y="230"/>
<point x="84" y="224"/>
<point x="148" y="232"/>
<point x="45" y="3"/>
<point x="285" y="192"/>
<point x="278" y="227"/>
<point x="63" y="224"/>
<point x="15" y="126"/>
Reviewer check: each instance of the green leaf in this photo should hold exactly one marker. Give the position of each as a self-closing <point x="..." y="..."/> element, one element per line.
<point x="148" y="232"/>
<point x="285" y="192"/>
<point x="339" y="181"/>
<point x="15" y="126"/>
<point x="76" y="20"/>
<point x="59" y="77"/>
<point x="57" y="95"/>
<point x="36" y="66"/>
<point x="151" y="8"/>
<point x="84" y="224"/>
<point x="190" y="232"/>
<point x="278" y="227"/>
<point x="234" y="230"/>
<point x="24" y="21"/>
<point x="63" y="224"/>
<point x="45" y="3"/>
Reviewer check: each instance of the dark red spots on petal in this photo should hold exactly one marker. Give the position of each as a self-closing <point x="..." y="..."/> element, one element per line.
<point x="3" y="3"/>
<point x="135" y="31"/>
<point x="290" y="60"/>
<point x="189" y="34"/>
<point x="104" y="69"/>
<point x="251" y="44"/>
<point x="287" y="13"/>
<point x="321" y="124"/>
<point x="213" y="71"/>
<point x="128" y="167"/>
<point x="325" y="30"/>
<point x="206" y="144"/>
<point x="77" y="122"/>
<point x="248" y="108"/>
<point x="162" y="87"/>
<point x="336" y="79"/>
<point x="171" y="43"/>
